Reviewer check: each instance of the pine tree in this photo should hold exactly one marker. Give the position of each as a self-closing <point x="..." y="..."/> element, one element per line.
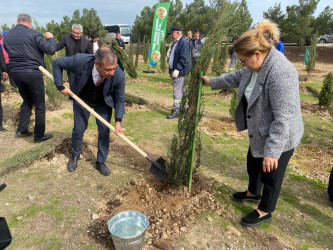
<point x="137" y="54"/>
<point x="312" y="55"/>
<point x="130" y="55"/>
<point x="144" y="50"/>
<point x="326" y="93"/>
<point x="163" y="57"/>
<point x="233" y="103"/>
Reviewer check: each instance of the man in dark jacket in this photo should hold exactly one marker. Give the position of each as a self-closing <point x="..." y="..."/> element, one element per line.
<point x="74" y="43"/>
<point x="26" y="48"/>
<point x="4" y="75"/>
<point x="121" y="44"/>
<point x="95" y="43"/>
<point x="100" y="83"/>
<point x="179" y="66"/>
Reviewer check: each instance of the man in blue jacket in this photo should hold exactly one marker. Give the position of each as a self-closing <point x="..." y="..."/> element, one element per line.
<point x="179" y="67"/>
<point x="26" y="48"/>
<point x="100" y="83"/>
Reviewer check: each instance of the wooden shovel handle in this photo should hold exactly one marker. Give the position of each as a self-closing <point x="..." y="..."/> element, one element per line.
<point x="76" y="98"/>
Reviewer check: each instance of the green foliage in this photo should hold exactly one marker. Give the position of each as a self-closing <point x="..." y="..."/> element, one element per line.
<point x="89" y="20"/>
<point x="275" y="13"/>
<point x="312" y="55"/>
<point x="323" y="24"/>
<point x="130" y="55"/>
<point x="54" y="96"/>
<point x="128" y="63"/>
<point x="163" y="64"/>
<point x="326" y="93"/>
<point x="135" y="99"/>
<point x="180" y="153"/>
<point x="297" y="26"/>
<point x="144" y="50"/>
<point x="137" y="53"/>
<point x="233" y="103"/>
<point x="220" y="59"/>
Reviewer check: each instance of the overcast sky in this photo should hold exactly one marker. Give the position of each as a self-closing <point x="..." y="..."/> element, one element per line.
<point x="112" y="11"/>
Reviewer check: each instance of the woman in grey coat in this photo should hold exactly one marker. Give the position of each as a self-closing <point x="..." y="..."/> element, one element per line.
<point x="269" y="107"/>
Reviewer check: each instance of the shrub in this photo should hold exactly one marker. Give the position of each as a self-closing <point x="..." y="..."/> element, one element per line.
<point x="137" y="54"/>
<point x="163" y="64"/>
<point x="54" y="96"/>
<point x="233" y="103"/>
<point x="312" y="55"/>
<point x="326" y="93"/>
<point x="144" y="50"/>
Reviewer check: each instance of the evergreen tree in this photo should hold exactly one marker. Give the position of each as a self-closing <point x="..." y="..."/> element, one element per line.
<point x="144" y="50"/>
<point x="137" y="53"/>
<point x="163" y="64"/>
<point x="326" y="93"/>
<point x="233" y="103"/>
<point x="130" y="55"/>
<point x="312" y="55"/>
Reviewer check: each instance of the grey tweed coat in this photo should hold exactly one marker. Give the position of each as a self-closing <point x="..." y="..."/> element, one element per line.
<point x="273" y="116"/>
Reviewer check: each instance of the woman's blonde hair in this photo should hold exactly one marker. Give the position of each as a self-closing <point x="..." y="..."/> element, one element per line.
<point x="261" y="38"/>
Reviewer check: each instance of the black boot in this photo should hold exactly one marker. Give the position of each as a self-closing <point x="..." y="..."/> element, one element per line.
<point x="173" y="114"/>
<point x="102" y="168"/>
<point x="72" y="163"/>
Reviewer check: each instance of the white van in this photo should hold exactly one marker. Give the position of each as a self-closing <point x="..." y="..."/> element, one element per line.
<point x="124" y="29"/>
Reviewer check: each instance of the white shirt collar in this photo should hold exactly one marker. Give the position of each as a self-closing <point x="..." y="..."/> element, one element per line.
<point x="95" y="74"/>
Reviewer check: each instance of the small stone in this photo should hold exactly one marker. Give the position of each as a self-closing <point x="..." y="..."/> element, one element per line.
<point x="149" y="242"/>
<point x="19" y="218"/>
<point x="208" y="244"/>
<point x="209" y="219"/>
<point x="100" y="186"/>
<point x="183" y="229"/>
<point x="165" y="236"/>
<point x="31" y="198"/>
<point x="162" y="244"/>
<point x="198" y="211"/>
<point x="95" y="216"/>
<point x="191" y="217"/>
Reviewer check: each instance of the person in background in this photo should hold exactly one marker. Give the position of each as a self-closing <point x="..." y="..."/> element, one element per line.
<point x="196" y="45"/>
<point x="4" y="75"/>
<point x="121" y="44"/>
<point x="233" y="59"/>
<point x="26" y="48"/>
<point x="189" y="36"/>
<point x="74" y="43"/>
<point x="269" y="108"/>
<point x="179" y="67"/>
<point x="100" y="83"/>
<point x="279" y="45"/>
<point x="5" y="54"/>
<point x="95" y="43"/>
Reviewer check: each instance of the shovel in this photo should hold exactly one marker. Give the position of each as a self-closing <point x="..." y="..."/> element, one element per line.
<point x="158" y="166"/>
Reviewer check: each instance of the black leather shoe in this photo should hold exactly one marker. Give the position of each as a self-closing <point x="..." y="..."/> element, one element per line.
<point x="173" y="114"/>
<point x="72" y="163"/>
<point x="242" y="196"/>
<point x="2" y="129"/>
<point x="253" y="219"/>
<point x="23" y="134"/>
<point x="44" y="138"/>
<point x="102" y="168"/>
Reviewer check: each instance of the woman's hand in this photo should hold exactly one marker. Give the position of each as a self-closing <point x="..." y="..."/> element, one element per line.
<point x="269" y="164"/>
<point x="205" y="80"/>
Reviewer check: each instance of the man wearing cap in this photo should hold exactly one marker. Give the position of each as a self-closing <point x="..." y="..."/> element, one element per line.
<point x="179" y="67"/>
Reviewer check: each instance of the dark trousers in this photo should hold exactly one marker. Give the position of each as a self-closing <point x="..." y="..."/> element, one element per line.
<point x="32" y="91"/>
<point x="1" y="111"/>
<point x="81" y="117"/>
<point x="271" y="182"/>
<point x="11" y="79"/>
<point x="70" y="76"/>
<point x="330" y="186"/>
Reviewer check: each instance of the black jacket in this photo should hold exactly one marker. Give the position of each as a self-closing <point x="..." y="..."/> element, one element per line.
<point x="26" y="48"/>
<point x="68" y="42"/>
<point x="182" y="58"/>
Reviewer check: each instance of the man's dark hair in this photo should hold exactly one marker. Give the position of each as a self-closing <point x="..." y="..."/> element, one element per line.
<point x="117" y="32"/>
<point x="107" y="54"/>
<point x="24" y="18"/>
<point x="93" y="35"/>
<point x="196" y="31"/>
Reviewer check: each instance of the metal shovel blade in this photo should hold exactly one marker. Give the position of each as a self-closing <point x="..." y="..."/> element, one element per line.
<point x="158" y="168"/>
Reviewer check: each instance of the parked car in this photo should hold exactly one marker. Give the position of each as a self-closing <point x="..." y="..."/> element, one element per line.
<point x="328" y="38"/>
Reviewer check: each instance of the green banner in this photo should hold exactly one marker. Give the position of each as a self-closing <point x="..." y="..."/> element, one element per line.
<point x="159" y="30"/>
